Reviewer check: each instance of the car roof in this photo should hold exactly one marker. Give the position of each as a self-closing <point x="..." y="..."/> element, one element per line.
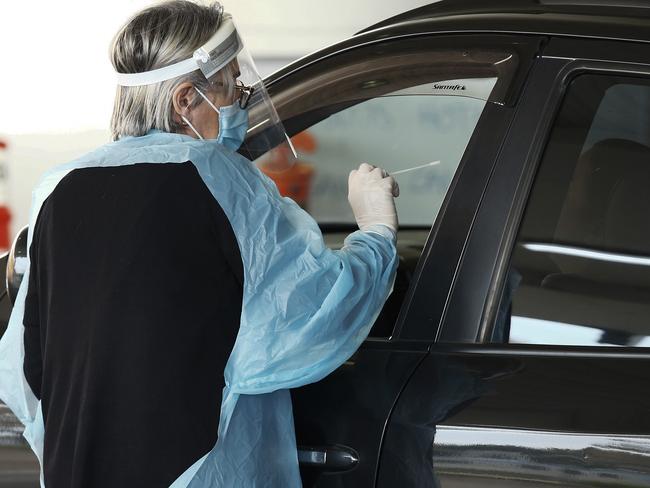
<point x="613" y="19"/>
<point x="626" y="20"/>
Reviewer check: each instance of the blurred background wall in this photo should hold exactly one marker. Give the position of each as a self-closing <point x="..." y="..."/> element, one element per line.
<point x="57" y="83"/>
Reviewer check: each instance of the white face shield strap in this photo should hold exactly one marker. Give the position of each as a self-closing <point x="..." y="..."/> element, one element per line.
<point x="222" y="48"/>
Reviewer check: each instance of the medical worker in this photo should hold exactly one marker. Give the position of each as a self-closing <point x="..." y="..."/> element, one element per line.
<point x="172" y="296"/>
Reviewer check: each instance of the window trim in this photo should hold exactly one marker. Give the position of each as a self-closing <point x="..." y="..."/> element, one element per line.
<point x="420" y="322"/>
<point x="542" y="350"/>
<point x="315" y="78"/>
<point x="298" y="82"/>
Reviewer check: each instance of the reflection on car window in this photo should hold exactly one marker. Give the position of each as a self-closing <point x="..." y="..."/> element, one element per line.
<point x="580" y="271"/>
<point x="394" y="131"/>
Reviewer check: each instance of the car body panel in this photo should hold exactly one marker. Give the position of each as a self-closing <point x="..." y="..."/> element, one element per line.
<point x="349" y="408"/>
<point x="519" y="416"/>
<point x="611" y="19"/>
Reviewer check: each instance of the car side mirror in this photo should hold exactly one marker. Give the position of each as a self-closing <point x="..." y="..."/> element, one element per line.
<point x="17" y="264"/>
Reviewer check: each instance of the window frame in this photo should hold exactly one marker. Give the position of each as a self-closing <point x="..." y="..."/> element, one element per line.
<point x="557" y="68"/>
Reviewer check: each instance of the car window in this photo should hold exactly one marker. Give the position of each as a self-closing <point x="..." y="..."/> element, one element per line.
<point x="397" y="131"/>
<point x="580" y="270"/>
<point x="397" y="105"/>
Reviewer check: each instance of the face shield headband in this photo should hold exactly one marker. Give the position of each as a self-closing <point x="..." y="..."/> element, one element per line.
<point x="220" y="49"/>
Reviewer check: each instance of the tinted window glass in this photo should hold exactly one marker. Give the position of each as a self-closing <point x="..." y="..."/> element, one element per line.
<point x="580" y="270"/>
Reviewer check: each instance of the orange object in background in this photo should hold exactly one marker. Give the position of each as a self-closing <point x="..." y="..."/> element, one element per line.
<point x="5" y="220"/>
<point x="5" y="213"/>
<point x="296" y="181"/>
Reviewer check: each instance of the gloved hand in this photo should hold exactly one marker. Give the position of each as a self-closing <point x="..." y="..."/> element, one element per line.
<point x="370" y="193"/>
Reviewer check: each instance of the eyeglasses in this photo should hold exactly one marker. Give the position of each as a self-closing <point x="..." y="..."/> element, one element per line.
<point x="245" y="93"/>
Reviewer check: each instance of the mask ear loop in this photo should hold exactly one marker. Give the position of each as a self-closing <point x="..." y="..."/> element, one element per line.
<point x="207" y="100"/>
<point x="209" y="103"/>
<point x="191" y="127"/>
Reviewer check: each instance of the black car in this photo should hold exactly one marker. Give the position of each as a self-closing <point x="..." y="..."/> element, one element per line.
<point x="513" y="351"/>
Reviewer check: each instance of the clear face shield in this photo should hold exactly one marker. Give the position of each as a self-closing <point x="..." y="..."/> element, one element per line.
<point x="235" y="94"/>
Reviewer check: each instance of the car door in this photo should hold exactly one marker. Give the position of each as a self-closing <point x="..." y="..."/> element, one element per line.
<point x="540" y="371"/>
<point x="397" y="103"/>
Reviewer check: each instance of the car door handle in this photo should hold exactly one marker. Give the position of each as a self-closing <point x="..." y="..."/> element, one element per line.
<point x="328" y="458"/>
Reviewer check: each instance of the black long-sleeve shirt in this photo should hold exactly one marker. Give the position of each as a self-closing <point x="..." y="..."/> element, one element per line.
<point x="133" y="306"/>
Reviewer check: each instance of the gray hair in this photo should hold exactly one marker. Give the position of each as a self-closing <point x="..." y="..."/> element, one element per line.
<point x="153" y="38"/>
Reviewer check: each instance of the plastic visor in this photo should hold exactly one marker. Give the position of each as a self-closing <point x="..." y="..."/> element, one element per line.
<point x="265" y="130"/>
<point x="230" y="70"/>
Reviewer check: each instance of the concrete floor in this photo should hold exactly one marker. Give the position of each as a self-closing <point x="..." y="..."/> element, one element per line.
<point x="18" y="467"/>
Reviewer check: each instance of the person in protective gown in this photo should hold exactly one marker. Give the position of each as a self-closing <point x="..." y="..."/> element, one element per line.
<point x="172" y="296"/>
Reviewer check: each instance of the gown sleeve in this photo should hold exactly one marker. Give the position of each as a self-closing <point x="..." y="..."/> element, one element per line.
<point x="306" y="308"/>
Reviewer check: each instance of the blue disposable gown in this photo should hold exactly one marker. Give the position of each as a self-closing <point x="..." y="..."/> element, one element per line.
<point x="305" y="310"/>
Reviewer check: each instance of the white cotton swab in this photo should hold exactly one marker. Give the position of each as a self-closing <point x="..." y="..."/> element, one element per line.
<point x="432" y="163"/>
